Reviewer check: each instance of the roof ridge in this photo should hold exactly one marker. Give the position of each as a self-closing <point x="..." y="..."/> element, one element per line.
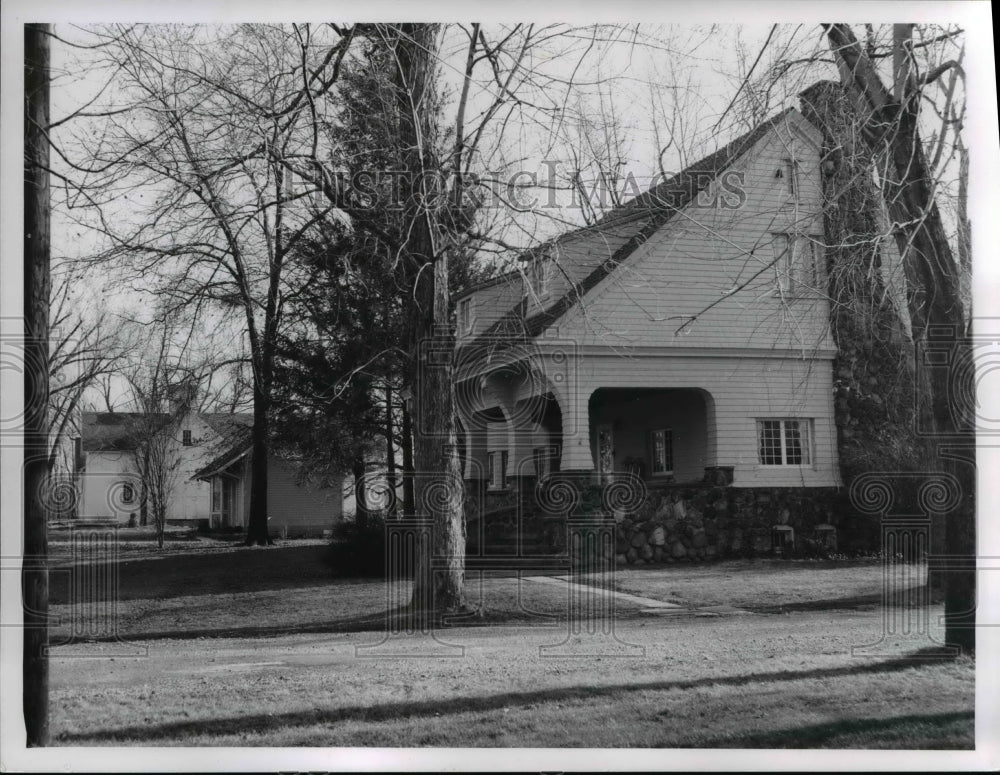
<point x="657" y="207"/>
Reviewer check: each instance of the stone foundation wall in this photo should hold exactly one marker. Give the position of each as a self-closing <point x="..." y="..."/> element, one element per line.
<point x="699" y="523"/>
<point x="681" y="522"/>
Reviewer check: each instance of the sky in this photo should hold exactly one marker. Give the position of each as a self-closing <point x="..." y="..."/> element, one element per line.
<point x="670" y="80"/>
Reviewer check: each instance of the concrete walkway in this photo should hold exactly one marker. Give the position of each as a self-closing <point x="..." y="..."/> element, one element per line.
<point x="641" y="602"/>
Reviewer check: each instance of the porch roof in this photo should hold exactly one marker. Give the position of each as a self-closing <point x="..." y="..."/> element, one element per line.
<point x="221" y="462"/>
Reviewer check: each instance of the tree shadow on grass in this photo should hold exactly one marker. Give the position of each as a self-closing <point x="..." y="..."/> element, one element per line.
<point x="264" y="723"/>
<point x="378" y="621"/>
<point x="829" y="604"/>
<point x="818" y="735"/>
<point x="162" y="577"/>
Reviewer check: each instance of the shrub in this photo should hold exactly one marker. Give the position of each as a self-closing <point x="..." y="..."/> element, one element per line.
<point x="359" y="550"/>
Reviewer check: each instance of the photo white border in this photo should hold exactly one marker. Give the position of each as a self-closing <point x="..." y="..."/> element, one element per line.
<point x="982" y="132"/>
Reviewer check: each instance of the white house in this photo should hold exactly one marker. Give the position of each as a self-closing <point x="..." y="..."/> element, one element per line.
<point x="683" y="339"/>
<point x="294" y="508"/>
<point x="686" y="330"/>
<point x="109" y="483"/>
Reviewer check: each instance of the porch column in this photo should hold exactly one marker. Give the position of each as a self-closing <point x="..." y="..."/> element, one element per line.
<point x="576" y="451"/>
<point x="475" y="447"/>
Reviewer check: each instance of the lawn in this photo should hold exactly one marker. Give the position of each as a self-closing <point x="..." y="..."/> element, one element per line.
<point x="259" y="647"/>
<point x="763" y="585"/>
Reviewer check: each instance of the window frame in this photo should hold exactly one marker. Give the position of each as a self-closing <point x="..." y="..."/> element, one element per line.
<point x="805" y="441"/>
<point x="783" y="260"/>
<point x="817" y="258"/>
<point x="464" y="314"/>
<point x="791" y="170"/>
<point x="548" y="457"/>
<point x="498" y="477"/>
<point x="187" y="438"/>
<point x="796" y="270"/>
<point x="668" y="452"/>
<point x="538" y="276"/>
<point x="542" y="461"/>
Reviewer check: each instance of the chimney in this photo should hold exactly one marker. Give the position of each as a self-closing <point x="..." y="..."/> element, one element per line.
<point x="181" y="395"/>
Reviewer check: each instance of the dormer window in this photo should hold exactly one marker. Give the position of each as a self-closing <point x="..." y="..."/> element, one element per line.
<point x="790" y="173"/>
<point x="465" y="316"/>
<point x="797" y="263"/>
<point x="538" y="276"/>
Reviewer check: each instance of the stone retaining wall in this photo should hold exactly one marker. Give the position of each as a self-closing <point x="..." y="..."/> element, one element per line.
<point x="697" y="523"/>
<point x="683" y="522"/>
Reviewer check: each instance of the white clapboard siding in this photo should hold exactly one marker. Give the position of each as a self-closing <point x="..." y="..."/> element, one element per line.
<point x="299" y="508"/>
<point x="742" y="390"/>
<point x="579" y="253"/>
<point x="491" y="302"/>
<point x="711" y="264"/>
<point x="755" y="352"/>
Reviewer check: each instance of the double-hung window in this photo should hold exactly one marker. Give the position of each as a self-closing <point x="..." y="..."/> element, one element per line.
<point x="784" y="442"/>
<point x="790" y="173"/>
<point x="464" y="316"/>
<point x="797" y="262"/>
<point x="498" y="469"/>
<point x="661" y="445"/>
<point x="538" y="275"/>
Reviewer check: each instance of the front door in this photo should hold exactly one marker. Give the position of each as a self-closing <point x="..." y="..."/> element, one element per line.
<point x="223" y="497"/>
<point x="605" y="452"/>
<point x="228" y="499"/>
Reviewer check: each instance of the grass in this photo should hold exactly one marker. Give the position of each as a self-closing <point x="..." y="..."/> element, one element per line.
<point x="763" y="586"/>
<point x="281" y="666"/>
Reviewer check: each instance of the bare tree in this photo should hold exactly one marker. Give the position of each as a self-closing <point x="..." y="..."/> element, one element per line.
<point x="890" y="115"/>
<point x="83" y="350"/>
<point x="152" y="437"/>
<point x="415" y="49"/>
<point x="199" y="142"/>
<point x="904" y="108"/>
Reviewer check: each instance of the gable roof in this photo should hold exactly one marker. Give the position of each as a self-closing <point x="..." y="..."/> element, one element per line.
<point x="646" y="214"/>
<point x="116" y="431"/>
<point x="227" y="424"/>
<point x="238" y="447"/>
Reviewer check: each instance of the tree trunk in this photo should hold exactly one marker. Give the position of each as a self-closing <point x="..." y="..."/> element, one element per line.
<point x="34" y="578"/>
<point x="409" y="503"/>
<point x="935" y="306"/>
<point x="437" y="463"/>
<point x="144" y="488"/>
<point x="161" y="519"/>
<point x="390" y="454"/>
<point x="361" y="514"/>
<point x="257" y="532"/>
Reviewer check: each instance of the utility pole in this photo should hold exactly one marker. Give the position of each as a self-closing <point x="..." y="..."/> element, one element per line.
<point x="34" y="574"/>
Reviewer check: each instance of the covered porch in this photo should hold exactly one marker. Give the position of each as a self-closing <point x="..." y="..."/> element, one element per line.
<point x="228" y="476"/>
<point x="662" y="435"/>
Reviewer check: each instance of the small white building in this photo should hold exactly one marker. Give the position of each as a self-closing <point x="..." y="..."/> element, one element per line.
<point x="294" y="508"/>
<point x="108" y="476"/>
